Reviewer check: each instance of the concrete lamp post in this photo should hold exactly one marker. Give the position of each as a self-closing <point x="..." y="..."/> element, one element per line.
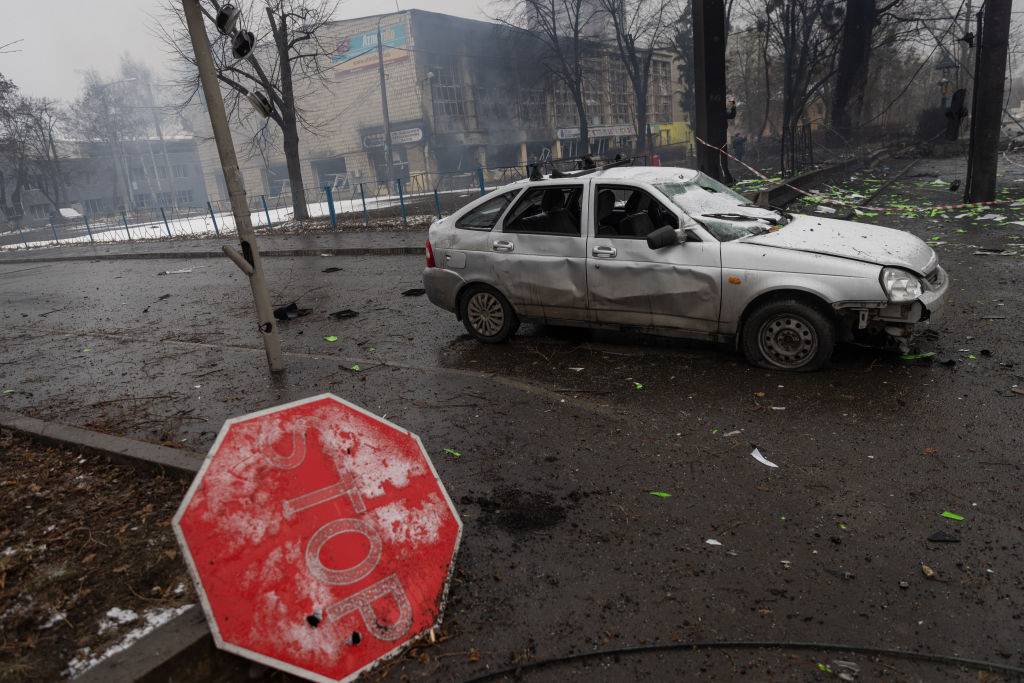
<point x="249" y="260"/>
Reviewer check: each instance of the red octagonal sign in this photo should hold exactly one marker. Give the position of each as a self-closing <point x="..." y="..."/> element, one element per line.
<point x="319" y="537"/>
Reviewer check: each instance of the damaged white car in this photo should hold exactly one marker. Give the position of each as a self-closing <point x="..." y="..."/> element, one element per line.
<point x="670" y="251"/>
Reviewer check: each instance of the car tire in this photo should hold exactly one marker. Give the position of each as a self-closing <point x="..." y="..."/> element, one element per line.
<point x="487" y="314"/>
<point x="788" y="334"/>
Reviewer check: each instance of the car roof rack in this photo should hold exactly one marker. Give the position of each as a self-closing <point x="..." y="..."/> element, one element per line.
<point x="589" y="166"/>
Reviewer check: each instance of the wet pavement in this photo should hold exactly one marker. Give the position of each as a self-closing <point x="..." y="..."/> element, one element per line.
<point x="566" y="438"/>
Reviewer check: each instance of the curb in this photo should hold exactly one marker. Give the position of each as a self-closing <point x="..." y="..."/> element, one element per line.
<point x="138" y="454"/>
<point x="180" y="650"/>
<point x="271" y="253"/>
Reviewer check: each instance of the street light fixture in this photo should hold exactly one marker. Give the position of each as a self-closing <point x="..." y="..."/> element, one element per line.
<point x="226" y="18"/>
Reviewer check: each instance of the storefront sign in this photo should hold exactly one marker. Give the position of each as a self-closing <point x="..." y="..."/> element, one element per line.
<point x="406" y="136"/>
<point x="619" y="131"/>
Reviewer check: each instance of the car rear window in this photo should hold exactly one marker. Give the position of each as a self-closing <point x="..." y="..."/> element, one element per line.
<point x="485" y="216"/>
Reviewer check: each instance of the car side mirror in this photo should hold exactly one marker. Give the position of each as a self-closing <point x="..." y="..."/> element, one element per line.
<point x="662" y="237"/>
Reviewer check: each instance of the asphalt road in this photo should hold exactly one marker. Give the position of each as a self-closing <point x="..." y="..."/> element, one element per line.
<point x="564" y="435"/>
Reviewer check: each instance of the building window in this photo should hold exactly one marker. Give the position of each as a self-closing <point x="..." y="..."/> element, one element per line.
<point x="183" y="197"/>
<point x="532" y="110"/>
<point x="620" y="93"/>
<point x="566" y="114"/>
<point x="180" y="171"/>
<point x="448" y="92"/>
<point x="659" y="93"/>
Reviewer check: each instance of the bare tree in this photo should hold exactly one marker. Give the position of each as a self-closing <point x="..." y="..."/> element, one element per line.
<point x="867" y="25"/>
<point x="640" y="28"/>
<point x="108" y="111"/>
<point x="289" y="47"/>
<point x="29" y="155"/>
<point x="13" y="151"/>
<point x="47" y="123"/>
<point x="563" y="28"/>
<point x="802" y="35"/>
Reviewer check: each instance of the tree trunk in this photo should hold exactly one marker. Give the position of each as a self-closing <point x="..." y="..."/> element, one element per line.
<point x="852" y="72"/>
<point x="289" y="122"/>
<point x="581" y="114"/>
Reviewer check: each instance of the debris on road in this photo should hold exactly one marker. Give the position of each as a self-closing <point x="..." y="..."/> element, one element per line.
<point x="712" y="541"/>
<point x="331" y="338"/>
<point x="660" y="494"/>
<point x="175" y="272"/>
<point x="291" y="311"/>
<point x="952" y="515"/>
<point x="415" y="291"/>
<point x="761" y="459"/>
<point x="332" y="269"/>
<point x="347" y="313"/>
<point x="928" y="572"/>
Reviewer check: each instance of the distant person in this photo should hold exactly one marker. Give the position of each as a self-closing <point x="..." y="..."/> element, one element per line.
<point x="739" y="141"/>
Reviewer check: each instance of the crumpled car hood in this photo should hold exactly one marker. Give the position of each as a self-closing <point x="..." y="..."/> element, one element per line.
<point x="846" y="239"/>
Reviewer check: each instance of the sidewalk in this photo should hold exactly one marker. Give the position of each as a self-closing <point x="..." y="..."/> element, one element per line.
<point x="306" y="244"/>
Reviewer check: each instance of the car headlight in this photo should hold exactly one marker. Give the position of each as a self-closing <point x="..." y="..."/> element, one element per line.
<point x="900" y="286"/>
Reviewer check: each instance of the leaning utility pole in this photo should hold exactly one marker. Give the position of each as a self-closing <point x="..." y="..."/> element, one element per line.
<point x="388" y="162"/>
<point x="249" y="260"/>
<point x="987" y="112"/>
<point x="709" y="82"/>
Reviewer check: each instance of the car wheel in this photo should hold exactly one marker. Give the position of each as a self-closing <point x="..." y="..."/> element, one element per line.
<point x="487" y="315"/>
<point x="788" y="334"/>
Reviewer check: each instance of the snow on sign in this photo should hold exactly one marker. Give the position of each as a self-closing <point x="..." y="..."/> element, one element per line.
<point x="319" y="537"/>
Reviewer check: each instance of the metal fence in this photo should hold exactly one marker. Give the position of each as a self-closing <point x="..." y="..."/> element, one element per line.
<point x="415" y="201"/>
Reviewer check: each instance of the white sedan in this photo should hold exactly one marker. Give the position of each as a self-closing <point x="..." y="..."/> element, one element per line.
<point x="671" y="251"/>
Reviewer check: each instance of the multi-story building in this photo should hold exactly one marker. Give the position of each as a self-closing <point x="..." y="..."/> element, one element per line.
<point x="150" y="173"/>
<point x="461" y="94"/>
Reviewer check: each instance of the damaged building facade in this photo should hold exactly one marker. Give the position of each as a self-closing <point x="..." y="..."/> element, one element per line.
<point x="461" y="95"/>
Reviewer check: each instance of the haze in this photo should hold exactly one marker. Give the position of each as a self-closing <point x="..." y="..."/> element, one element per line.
<point x="49" y="46"/>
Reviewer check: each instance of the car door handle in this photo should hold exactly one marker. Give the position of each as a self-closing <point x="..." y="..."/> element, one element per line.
<point x="603" y="252"/>
<point x="503" y="245"/>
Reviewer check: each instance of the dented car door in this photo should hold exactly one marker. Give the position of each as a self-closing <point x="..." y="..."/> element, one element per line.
<point x="629" y="283"/>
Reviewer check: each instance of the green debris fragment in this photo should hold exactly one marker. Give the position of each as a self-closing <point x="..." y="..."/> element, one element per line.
<point x="372" y="349"/>
<point x="660" y="494"/>
<point x="972" y="357"/>
<point x="843" y="527"/>
<point x="824" y="668"/>
<point x="455" y="453"/>
<point x="952" y="515"/>
<point x="355" y="367"/>
<point x="86" y="350"/>
<point x="8" y="391"/>
<point x="913" y="356"/>
<point x="331" y="338"/>
<point x="638" y="385"/>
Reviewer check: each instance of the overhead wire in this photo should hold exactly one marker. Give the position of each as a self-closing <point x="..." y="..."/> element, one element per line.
<point x="728" y="645"/>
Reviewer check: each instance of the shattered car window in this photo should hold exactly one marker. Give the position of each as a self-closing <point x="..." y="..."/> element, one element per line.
<point x="486" y="215"/>
<point x="726" y="214"/>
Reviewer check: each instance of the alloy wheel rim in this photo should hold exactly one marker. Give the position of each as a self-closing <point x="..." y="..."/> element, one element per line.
<point x="486" y="314"/>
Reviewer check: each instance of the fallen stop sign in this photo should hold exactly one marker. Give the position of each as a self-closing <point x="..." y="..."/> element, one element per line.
<point x="319" y="537"/>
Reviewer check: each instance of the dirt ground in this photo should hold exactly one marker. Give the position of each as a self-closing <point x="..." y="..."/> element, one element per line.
<point x="77" y="536"/>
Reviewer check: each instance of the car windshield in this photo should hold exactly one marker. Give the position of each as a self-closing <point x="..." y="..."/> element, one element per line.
<point x="726" y="214"/>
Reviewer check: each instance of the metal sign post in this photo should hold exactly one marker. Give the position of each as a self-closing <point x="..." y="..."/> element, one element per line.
<point x="249" y="259"/>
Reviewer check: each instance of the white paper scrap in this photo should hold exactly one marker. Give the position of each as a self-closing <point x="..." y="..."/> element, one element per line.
<point x="826" y="209"/>
<point x="712" y="541"/>
<point x="761" y="459"/>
